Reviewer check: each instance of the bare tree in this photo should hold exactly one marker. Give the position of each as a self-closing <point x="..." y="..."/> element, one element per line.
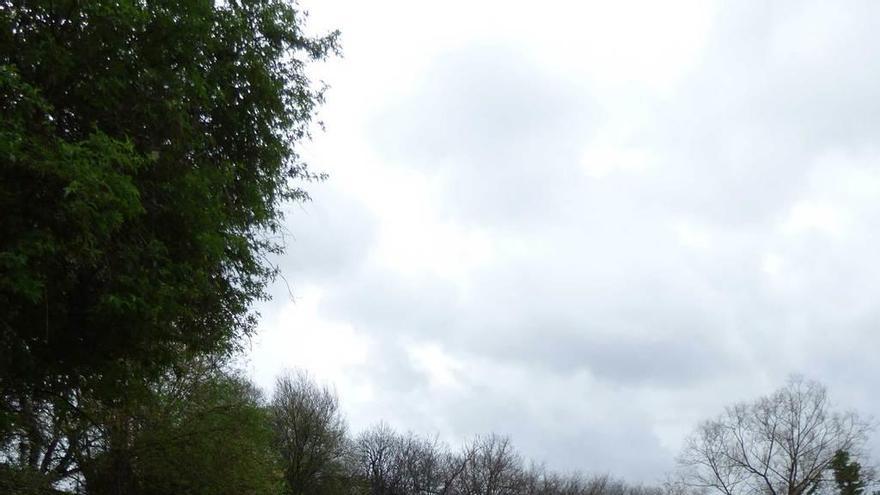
<point x="423" y="464"/>
<point x="404" y="464"/>
<point x="309" y="433"/>
<point x="375" y="450"/>
<point x="492" y="467"/>
<point x="390" y="463"/>
<point x="782" y="444"/>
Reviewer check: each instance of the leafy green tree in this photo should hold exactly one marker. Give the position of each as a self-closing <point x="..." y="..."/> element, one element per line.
<point x="200" y="429"/>
<point x="203" y="431"/>
<point x="145" y="150"/>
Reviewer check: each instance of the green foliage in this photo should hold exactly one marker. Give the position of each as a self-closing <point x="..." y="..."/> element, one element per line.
<point x="24" y="482"/>
<point x="202" y="432"/>
<point x="847" y="474"/>
<point x="198" y="429"/>
<point x="145" y="150"/>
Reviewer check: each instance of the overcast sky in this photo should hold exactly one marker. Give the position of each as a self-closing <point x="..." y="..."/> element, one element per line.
<point x="587" y="225"/>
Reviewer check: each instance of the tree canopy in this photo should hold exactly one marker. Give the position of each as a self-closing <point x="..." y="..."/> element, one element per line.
<point x="146" y="148"/>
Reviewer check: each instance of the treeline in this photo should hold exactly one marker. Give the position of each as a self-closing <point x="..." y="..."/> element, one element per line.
<point x="204" y="429"/>
<point x="388" y="462"/>
<point x="317" y="453"/>
<point x="791" y="442"/>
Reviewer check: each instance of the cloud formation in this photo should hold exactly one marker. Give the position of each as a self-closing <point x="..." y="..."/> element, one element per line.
<point x="587" y="227"/>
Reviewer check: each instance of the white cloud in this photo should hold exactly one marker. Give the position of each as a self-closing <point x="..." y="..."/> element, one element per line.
<point x="587" y="225"/>
<point x="297" y="335"/>
<point x="806" y="217"/>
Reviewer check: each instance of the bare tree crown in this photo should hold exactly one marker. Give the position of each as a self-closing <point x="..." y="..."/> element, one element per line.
<point x="781" y="444"/>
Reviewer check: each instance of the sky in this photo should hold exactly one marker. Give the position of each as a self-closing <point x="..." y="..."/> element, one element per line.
<point x="585" y="225"/>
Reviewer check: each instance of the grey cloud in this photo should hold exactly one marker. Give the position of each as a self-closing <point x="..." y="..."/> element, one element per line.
<point x="480" y="102"/>
<point x="502" y="135"/>
<point x="325" y="239"/>
<point x="390" y="305"/>
<point x="558" y="315"/>
<point x="777" y="86"/>
<point x="604" y="287"/>
<point x="649" y="360"/>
